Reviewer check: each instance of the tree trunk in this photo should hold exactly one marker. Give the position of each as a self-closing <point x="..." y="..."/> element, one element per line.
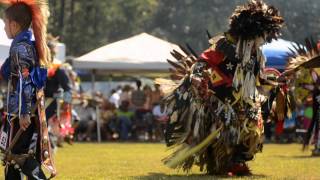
<point x="71" y="21"/>
<point x="61" y="18"/>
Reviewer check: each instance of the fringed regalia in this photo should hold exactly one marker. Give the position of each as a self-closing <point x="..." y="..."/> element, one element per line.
<point x="304" y="60"/>
<point x="58" y="93"/>
<point x="26" y="150"/>
<point x="58" y="100"/>
<point x="215" y="105"/>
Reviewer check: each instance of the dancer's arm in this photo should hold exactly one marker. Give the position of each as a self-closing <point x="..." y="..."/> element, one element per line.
<point x="23" y="61"/>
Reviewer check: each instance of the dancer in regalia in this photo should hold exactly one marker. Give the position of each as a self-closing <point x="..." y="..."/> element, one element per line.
<point x="24" y="134"/>
<point x="214" y="105"/>
<point x="302" y="66"/>
<point x="58" y="93"/>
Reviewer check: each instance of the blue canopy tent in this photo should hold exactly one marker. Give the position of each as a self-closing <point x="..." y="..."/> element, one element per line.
<point x="277" y="53"/>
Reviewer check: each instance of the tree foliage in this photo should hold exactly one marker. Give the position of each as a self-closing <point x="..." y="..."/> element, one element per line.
<point x="87" y="24"/>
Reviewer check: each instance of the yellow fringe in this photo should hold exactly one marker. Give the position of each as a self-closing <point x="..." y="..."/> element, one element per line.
<point x="187" y="151"/>
<point x="251" y="137"/>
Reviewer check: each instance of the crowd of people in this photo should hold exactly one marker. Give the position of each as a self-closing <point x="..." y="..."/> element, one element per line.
<point x="213" y="116"/>
<point x="128" y="113"/>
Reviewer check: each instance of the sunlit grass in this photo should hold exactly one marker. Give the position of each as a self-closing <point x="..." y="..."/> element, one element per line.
<point x="143" y="161"/>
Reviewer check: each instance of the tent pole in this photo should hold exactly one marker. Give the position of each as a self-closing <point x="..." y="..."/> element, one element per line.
<point x="93" y="80"/>
<point x="98" y="123"/>
<point x="93" y="83"/>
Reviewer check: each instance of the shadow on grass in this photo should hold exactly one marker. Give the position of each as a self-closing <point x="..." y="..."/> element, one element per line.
<point x="156" y="176"/>
<point x="298" y="157"/>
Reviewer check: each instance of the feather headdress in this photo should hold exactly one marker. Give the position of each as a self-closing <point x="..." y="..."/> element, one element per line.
<point x="307" y="56"/>
<point x="250" y="26"/>
<point x="255" y="19"/>
<point x="40" y="13"/>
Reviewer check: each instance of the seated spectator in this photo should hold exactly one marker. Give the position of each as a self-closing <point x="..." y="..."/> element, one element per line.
<point x="161" y="119"/>
<point x="86" y="128"/>
<point x="126" y="94"/>
<point x="86" y="125"/>
<point x="124" y="120"/>
<point x="115" y="97"/>
<point x="107" y="117"/>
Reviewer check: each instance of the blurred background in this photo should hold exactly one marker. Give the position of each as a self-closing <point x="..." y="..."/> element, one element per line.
<point x="111" y="45"/>
<point x="87" y="25"/>
<point x="112" y="50"/>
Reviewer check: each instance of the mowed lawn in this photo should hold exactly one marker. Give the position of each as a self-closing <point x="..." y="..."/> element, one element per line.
<point x="143" y="161"/>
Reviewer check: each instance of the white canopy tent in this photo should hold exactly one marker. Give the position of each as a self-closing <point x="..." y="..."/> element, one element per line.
<point x="5" y="44"/>
<point x="142" y="52"/>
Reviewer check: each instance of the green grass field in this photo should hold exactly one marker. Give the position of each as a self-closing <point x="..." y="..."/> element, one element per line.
<point x="143" y="161"/>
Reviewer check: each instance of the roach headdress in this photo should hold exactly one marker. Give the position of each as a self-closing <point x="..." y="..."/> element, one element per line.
<point x="40" y="12"/>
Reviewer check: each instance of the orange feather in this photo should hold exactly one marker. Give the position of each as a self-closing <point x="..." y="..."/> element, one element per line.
<point x="40" y="13"/>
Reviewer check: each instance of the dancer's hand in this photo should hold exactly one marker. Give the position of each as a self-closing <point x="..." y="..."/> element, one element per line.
<point x="24" y="121"/>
